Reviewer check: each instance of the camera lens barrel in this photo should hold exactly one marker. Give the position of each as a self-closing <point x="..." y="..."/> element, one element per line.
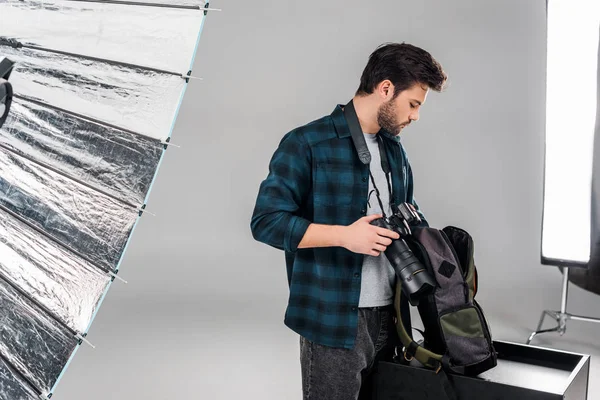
<point x="414" y="277"/>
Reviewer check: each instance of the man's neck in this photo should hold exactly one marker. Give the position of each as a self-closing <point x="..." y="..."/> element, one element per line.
<point x="366" y="111"/>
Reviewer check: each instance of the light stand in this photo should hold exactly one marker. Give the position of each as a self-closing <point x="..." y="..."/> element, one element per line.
<point x="561" y="316"/>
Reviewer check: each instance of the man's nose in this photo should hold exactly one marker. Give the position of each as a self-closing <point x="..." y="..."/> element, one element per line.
<point x="414" y="116"/>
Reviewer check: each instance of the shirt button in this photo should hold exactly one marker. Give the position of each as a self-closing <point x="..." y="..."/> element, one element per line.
<point x="364" y="179"/>
<point x="353" y="308"/>
<point x="363" y="211"/>
<point x="356" y="275"/>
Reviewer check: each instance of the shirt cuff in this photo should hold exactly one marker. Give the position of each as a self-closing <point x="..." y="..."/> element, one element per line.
<point x="296" y="229"/>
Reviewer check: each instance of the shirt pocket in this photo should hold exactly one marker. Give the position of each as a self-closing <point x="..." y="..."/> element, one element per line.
<point x="334" y="183"/>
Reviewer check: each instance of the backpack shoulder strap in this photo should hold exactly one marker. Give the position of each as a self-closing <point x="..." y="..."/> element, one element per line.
<point x="429" y="359"/>
<point x="412" y="348"/>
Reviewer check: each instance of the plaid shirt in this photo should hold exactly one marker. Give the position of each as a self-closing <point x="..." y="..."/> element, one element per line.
<point x="315" y="176"/>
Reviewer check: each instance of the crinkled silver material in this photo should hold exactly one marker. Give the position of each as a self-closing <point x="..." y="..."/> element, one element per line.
<point x="94" y="102"/>
<point x="163" y="38"/>
<point x="13" y="386"/>
<point x="35" y="344"/>
<point x="139" y="100"/>
<point x="66" y="285"/>
<point x="89" y="223"/>
<point x="113" y="161"/>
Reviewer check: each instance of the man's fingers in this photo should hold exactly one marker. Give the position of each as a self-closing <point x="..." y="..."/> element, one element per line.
<point x="384" y="240"/>
<point x="373" y="217"/>
<point x="387" y="233"/>
<point x="379" y="247"/>
<point x="374" y="253"/>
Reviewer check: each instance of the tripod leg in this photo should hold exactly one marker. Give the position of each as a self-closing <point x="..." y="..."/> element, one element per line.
<point x="560" y="316"/>
<point x="539" y="327"/>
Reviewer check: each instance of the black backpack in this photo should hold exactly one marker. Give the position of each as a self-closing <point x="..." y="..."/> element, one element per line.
<point x="457" y="338"/>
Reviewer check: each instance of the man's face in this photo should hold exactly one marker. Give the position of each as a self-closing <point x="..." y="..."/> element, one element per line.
<point x="393" y="115"/>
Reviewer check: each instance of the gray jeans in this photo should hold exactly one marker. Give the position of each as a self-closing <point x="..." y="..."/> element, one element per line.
<point x="341" y="374"/>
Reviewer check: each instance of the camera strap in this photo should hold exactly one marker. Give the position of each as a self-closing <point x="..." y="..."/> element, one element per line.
<point x="360" y="144"/>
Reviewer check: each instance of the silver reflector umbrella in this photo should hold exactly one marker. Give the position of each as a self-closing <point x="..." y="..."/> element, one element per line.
<point x="96" y="89"/>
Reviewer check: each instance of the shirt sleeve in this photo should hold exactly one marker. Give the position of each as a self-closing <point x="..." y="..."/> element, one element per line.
<point x="276" y="219"/>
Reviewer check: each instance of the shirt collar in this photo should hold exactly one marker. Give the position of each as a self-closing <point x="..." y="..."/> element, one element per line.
<point x="342" y="129"/>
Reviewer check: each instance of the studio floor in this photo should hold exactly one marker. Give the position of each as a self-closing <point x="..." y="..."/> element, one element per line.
<point x="225" y="348"/>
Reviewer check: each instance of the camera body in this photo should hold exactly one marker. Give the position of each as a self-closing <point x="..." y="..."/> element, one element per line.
<point x="416" y="281"/>
<point x="6" y="92"/>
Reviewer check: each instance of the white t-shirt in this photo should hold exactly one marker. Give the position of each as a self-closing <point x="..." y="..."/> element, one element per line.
<point x="378" y="276"/>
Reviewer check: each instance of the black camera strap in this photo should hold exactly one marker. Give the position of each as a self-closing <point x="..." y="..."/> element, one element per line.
<point x="385" y="165"/>
<point x="360" y="144"/>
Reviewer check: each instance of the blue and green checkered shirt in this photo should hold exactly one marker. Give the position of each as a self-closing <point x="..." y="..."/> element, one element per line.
<point x="315" y="176"/>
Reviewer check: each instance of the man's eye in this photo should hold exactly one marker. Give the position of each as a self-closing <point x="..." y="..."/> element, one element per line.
<point x="412" y="106"/>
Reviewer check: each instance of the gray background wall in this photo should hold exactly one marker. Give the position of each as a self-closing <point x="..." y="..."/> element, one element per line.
<point x="201" y="317"/>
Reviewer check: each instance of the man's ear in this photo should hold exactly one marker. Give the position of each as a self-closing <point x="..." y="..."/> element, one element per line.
<point x="386" y="89"/>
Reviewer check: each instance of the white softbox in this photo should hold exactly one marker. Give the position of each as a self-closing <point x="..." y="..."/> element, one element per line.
<point x="571" y="103"/>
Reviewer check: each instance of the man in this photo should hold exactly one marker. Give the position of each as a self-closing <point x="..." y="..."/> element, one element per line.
<point x="317" y="203"/>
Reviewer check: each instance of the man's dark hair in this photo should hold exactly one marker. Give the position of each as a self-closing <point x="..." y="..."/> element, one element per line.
<point x="404" y="65"/>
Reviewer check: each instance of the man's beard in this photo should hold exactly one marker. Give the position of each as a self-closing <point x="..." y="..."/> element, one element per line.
<point x="386" y="118"/>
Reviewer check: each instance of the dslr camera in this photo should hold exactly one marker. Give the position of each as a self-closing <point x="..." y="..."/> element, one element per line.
<point x="416" y="281"/>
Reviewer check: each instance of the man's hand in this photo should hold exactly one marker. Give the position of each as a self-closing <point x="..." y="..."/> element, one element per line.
<point x="363" y="238"/>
